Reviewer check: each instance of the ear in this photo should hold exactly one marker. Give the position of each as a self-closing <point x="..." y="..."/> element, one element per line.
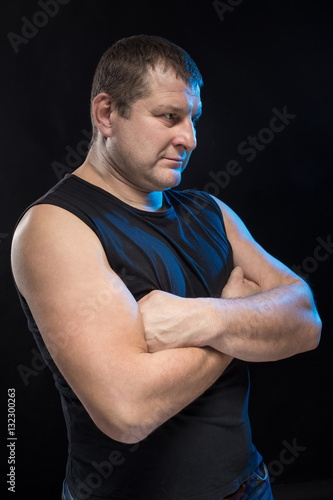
<point x="102" y="106"/>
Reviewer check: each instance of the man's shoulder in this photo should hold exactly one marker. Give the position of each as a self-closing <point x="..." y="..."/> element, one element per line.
<point x="48" y="209"/>
<point x="43" y="222"/>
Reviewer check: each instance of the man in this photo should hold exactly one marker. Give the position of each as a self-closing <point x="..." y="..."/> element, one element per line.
<point x="147" y="302"/>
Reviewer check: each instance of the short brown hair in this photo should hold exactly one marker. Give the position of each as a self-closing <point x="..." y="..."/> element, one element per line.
<point x="122" y="69"/>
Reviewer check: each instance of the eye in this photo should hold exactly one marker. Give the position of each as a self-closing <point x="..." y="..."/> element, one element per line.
<point x="170" y="116"/>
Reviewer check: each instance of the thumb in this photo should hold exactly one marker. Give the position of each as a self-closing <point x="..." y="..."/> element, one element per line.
<point x="236" y="274"/>
<point x="234" y="284"/>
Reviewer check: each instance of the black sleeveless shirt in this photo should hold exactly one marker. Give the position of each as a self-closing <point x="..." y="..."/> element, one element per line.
<point x="204" y="452"/>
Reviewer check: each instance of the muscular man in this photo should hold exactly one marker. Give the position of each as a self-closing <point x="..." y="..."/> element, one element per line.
<point x="147" y="302"/>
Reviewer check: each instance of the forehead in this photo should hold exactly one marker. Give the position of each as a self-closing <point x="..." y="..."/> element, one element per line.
<point x="165" y="87"/>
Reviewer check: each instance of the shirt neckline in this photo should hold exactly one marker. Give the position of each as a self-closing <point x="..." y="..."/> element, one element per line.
<point x="165" y="214"/>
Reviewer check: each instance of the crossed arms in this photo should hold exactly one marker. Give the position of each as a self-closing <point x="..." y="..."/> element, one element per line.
<point x="124" y="360"/>
<point x="268" y="315"/>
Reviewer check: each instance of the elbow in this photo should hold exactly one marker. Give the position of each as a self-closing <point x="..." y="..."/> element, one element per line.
<point x="128" y="427"/>
<point x="124" y="434"/>
<point x="315" y="331"/>
<point x="311" y="323"/>
<point x="312" y="327"/>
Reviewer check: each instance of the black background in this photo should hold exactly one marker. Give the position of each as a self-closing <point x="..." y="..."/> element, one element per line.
<point x="256" y="57"/>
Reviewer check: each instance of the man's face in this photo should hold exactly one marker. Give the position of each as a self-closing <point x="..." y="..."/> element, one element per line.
<point x="150" y="150"/>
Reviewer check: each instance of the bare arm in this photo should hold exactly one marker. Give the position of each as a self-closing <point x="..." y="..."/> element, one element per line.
<point x="93" y="329"/>
<point x="279" y="321"/>
<point x="264" y="315"/>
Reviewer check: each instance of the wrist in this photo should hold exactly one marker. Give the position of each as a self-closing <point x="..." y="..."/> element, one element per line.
<point x="208" y="319"/>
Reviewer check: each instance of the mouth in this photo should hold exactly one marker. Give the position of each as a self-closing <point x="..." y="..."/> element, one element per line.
<point x="176" y="161"/>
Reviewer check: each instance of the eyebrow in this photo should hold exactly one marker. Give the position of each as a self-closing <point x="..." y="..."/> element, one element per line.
<point x="176" y="109"/>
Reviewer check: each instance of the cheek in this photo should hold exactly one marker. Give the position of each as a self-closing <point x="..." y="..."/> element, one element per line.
<point x="145" y="142"/>
<point x="140" y="139"/>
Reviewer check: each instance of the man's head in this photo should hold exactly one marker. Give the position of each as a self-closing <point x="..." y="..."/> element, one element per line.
<point x="124" y="69"/>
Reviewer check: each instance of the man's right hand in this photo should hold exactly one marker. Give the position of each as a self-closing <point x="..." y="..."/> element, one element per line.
<point x="238" y="286"/>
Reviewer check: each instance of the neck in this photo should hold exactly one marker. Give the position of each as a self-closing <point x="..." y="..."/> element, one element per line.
<point x="95" y="171"/>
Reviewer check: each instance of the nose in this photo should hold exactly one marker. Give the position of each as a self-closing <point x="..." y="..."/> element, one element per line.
<point x="185" y="135"/>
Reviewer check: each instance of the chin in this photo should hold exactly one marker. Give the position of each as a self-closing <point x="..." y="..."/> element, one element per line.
<point x="173" y="179"/>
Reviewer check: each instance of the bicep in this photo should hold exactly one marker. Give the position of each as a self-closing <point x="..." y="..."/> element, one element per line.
<point x="87" y="317"/>
<point x="257" y="264"/>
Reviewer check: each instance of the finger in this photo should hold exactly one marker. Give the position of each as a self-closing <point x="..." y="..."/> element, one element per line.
<point x="236" y="274"/>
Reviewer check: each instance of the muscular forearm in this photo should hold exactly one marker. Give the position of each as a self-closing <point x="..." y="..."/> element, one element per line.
<point x="267" y="326"/>
<point x="166" y="382"/>
<point x="247" y="322"/>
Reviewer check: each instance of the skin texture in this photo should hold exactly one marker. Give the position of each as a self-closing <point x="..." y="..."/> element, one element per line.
<point x="93" y="327"/>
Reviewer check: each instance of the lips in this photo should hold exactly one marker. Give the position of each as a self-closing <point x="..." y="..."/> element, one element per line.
<point x="178" y="160"/>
